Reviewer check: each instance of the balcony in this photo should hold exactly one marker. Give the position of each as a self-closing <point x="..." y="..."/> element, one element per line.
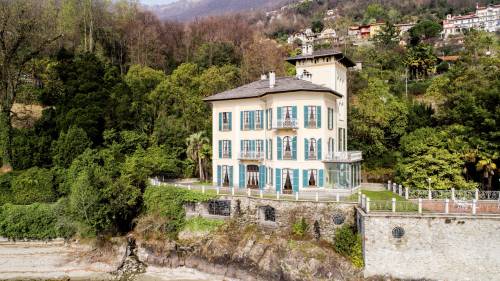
<point x="287" y="123"/>
<point x="251" y="155"/>
<point x="344" y="157"/>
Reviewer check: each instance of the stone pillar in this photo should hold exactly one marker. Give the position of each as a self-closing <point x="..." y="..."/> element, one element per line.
<point x="249" y="192"/>
<point x="218" y="190"/>
<point x="363" y="201"/>
<point x="430" y="194"/>
<point x="393" y="205"/>
<point x="317" y="196"/>
<point x="202" y="189"/>
<point x="400" y="190"/>
<point x="189" y="187"/>
<point x="446" y="206"/>
<point x="453" y="194"/>
<point x="297" y="196"/>
<point x="407" y="195"/>
<point x="474" y="206"/>
<point x="338" y="197"/>
<point x="359" y="198"/>
<point x="277" y="195"/>
<point x="476" y="195"/>
<point x="389" y="185"/>
<point x="232" y="191"/>
<point x="261" y="194"/>
<point x="420" y="205"/>
<point x="394" y="187"/>
<point x="367" y="205"/>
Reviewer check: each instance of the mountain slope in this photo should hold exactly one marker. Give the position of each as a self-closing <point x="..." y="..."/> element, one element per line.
<point x="184" y="10"/>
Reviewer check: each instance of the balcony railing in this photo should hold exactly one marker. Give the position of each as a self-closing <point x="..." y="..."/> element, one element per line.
<point x="312" y="156"/>
<point x="225" y="127"/>
<point x="311" y="124"/>
<point x="287" y="123"/>
<point x="226" y="154"/>
<point x="345" y="156"/>
<point x="251" y="155"/>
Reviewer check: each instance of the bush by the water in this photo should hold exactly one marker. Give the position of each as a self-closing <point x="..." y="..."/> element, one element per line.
<point x="166" y="203"/>
<point x="348" y="244"/>
<point x="36" y="221"/>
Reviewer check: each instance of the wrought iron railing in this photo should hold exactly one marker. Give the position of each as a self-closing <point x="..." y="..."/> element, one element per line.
<point x="312" y="123"/>
<point x="287" y="123"/>
<point x="225" y="127"/>
<point x="287" y="155"/>
<point x="251" y="155"/>
<point x="347" y="156"/>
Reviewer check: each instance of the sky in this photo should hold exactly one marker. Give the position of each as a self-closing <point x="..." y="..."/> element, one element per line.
<point x="156" y="2"/>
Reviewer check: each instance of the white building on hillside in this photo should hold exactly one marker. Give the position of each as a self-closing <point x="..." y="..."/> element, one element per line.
<point x="485" y="18"/>
<point x="289" y="133"/>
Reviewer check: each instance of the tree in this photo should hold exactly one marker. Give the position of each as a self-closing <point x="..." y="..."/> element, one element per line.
<point x="488" y="167"/>
<point x="195" y="146"/>
<point x="420" y="60"/>
<point x="388" y="36"/>
<point x="424" y="30"/>
<point x="374" y="12"/>
<point x="69" y="146"/>
<point x="24" y="35"/>
<point x="219" y="79"/>
<point x="317" y="26"/>
<point x="216" y="54"/>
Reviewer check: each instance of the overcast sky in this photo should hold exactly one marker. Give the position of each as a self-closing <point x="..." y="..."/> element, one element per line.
<point x="156" y="2"/>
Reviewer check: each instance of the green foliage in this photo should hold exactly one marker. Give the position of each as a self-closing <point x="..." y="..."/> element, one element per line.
<point x="317" y="26"/>
<point x="431" y="153"/>
<point x="348" y="243"/>
<point x="216" y="54"/>
<point x="168" y="202"/>
<point x="69" y="146"/>
<point x="300" y="228"/>
<point x="388" y="36"/>
<point x="421" y="61"/>
<point x="200" y="224"/>
<point x="374" y="12"/>
<point x="6" y="195"/>
<point x="424" y="30"/>
<point x="34" y="185"/>
<point x="36" y="221"/>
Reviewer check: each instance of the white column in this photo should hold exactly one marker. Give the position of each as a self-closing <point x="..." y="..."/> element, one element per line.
<point x="363" y="201"/>
<point x="453" y="194"/>
<point x="430" y="194"/>
<point x="202" y="189"/>
<point x="317" y="196"/>
<point x="367" y="205"/>
<point x="359" y="198"/>
<point x="476" y="195"/>
<point x="400" y="190"/>
<point x="338" y="197"/>
<point x="232" y="191"/>
<point x="420" y="205"/>
<point x="261" y="193"/>
<point x="393" y="205"/>
<point x="447" y="206"/>
<point x="389" y="185"/>
<point x="218" y="190"/>
<point x="277" y="195"/>
<point x="407" y="195"/>
<point x="474" y="206"/>
<point x="296" y="196"/>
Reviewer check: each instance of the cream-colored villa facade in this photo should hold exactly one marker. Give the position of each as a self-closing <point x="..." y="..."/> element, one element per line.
<point x="287" y="134"/>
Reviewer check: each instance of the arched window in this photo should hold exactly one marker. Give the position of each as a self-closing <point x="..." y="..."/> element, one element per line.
<point x="253" y="176"/>
<point x="313" y="175"/>
<point x="286" y="180"/>
<point x="287" y="148"/>
<point x="312" y="149"/>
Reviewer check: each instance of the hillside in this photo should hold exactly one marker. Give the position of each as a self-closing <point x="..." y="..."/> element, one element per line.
<point x="184" y="10"/>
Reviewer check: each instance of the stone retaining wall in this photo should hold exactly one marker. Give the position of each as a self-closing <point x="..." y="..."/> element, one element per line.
<point x="434" y="247"/>
<point x="329" y="215"/>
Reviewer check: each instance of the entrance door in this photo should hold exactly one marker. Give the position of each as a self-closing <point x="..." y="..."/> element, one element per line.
<point x="253" y="176"/>
<point x="225" y="176"/>
<point x="287" y="181"/>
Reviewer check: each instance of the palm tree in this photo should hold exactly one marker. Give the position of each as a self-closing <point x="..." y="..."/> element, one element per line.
<point x="488" y="167"/>
<point x="195" y="150"/>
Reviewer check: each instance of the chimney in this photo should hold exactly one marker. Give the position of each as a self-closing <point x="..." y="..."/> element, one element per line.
<point x="272" y="79"/>
<point x="263" y="77"/>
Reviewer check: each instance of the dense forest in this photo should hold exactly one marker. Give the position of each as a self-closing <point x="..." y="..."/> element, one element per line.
<point x="97" y="96"/>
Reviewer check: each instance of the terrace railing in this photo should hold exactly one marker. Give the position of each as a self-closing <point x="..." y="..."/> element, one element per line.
<point x="344" y="156"/>
<point x="251" y="155"/>
<point x="287" y="123"/>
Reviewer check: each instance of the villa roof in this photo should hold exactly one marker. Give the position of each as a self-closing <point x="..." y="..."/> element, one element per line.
<point x="261" y="88"/>
<point x="324" y="53"/>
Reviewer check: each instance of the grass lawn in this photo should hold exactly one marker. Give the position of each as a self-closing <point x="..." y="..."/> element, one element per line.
<point x="197" y="224"/>
<point x="382" y="200"/>
<point x="378" y="195"/>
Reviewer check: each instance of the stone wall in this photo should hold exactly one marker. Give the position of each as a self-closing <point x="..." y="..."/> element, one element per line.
<point x="329" y="215"/>
<point x="432" y="247"/>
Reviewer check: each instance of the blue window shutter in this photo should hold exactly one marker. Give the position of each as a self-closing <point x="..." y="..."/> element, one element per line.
<point x="241" y="120"/>
<point x="294" y="148"/>
<point x="318" y="110"/>
<point x="252" y="145"/>
<point x="267" y="119"/>
<point x="277" y="181"/>
<point x="230" y="149"/>
<point x="318" y="143"/>
<point x="230" y="119"/>
<point x="262" y="176"/>
<point x="306" y="149"/>
<point x="304" y="178"/>
<point x="220" y="149"/>
<point x="267" y="149"/>
<point x="279" y="147"/>
<point x="230" y="175"/>
<point x="252" y="120"/>
<point x="294" y="112"/>
<point x="220" y="121"/>
<point x="219" y="175"/>
<point x="261" y="119"/>
<point x="242" y="176"/>
<point x="279" y="116"/>
<point x="320" y="175"/>
<point x="295" y="184"/>
<point x="241" y="145"/>
<point x="306" y="116"/>
<point x="271" y="118"/>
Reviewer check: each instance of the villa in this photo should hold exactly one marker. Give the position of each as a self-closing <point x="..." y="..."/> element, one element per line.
<point x="287" y="134"/>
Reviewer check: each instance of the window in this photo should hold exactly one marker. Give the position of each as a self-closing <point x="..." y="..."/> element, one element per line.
<point x="247" y="146"/>
<point x="219" y="208"/>
<point x="225" y="121"/>
<point x="226" y="149"/>
<point x="225" y="175"/>
<point x="270" y="149"/>
<point x="312" y="116"/>
<point x="258" y="120"/>
<point x="269" y="213"/>
<point x="312" y="150"/>
<point x="331" y="147"/>
<point x="342" y="142"/>
<point x="330" y="118"/>
<point x="260" y="146"/>
<point x="287" y="148"/>
<point x="287" y="113"/>
<point x="246" y="120"/>
<point x="312" y="177"/>
<point x="270" y="176"/>
<point x="252" y="176"/>
<point x="286" y="180"/>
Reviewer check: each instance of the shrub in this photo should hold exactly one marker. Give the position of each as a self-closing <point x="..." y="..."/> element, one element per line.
<point x="348" y="244"/>
<point x="35" y="221"/>
<point x="300" y="227"/>
<point x="34" y="185"/>
<point x="69" y="145"/>
<point x="5" y="188"/>
<point x="202" y="224"/>
<point x="167" y="202"/>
